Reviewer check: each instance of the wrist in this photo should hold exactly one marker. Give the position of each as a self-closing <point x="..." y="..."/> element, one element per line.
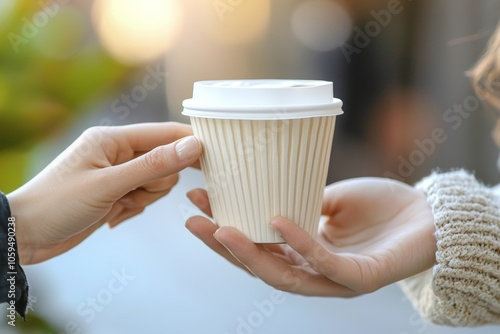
<point x="19" y="211"/>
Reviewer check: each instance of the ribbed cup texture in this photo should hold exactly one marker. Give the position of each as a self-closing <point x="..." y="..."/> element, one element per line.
<point x="255" y="170"/>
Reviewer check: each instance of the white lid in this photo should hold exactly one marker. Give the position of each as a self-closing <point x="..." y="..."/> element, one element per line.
<point x="262" y="99"/>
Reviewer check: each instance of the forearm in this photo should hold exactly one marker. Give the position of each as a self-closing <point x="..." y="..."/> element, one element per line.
<point x="463" y="287"/>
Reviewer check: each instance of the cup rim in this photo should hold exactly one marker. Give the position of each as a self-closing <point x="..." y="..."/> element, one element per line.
<point x="192" y="109"/>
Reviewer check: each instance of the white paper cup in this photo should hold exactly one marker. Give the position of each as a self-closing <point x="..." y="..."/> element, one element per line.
<point x="266" y="150"/>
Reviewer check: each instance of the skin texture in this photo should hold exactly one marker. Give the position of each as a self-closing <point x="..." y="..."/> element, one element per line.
<point x="377" y="232"/>
<point x="109" y="174"/>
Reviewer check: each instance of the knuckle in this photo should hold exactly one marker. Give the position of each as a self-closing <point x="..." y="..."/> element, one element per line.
<point x="95" y="135"/>
<point x="94" y="131"/>
<point x="289" y="282"/>
<point x="155" y="160"/>
<point x="318" y="258"/>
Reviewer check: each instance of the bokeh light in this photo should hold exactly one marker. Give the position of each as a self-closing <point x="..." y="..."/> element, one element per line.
<point x="6" y="8"/>
<point x="321" y="25"/>
<point x="137" y="32"/>
<point x="237" y="22"/>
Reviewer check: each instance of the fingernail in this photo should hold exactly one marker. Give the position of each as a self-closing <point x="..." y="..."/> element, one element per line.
<point x="275" y="225"/>
<point x="197" y="200"/>
<point x="273" y="222"/>
<point x="216" y="236"/>
<point x="187" y="148"/>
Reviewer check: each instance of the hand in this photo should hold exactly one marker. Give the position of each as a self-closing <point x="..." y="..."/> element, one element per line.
<point x="377" y="232"/>
<point x="108" y="174"/>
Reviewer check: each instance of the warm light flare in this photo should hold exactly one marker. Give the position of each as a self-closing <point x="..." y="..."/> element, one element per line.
<point x="237" y="22"/>
<point x="138" y="31"/>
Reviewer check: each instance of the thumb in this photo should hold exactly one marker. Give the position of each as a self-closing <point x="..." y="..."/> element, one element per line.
<point x="160" y="162"/>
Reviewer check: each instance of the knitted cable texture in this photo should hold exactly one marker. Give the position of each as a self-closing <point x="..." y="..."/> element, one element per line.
<point x="463" y="287"/>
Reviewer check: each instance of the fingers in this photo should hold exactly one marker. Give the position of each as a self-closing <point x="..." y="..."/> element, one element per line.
<point x="124" y="215"/>
<point x="149" y="193"/>
<point x="204" y="230"/>
<point x="199" y="197"/>
<point x="364" y="193"/>
<point x="157" y="163"/>
<point x="146" y="136"/>
<point x="256" y="259"/>
<point x="162" y="185"/>
<point x="339" y="268"/>
<point x="276" y="272"/>
<point x="274" y="264"/>
<point x="136" y="200"/>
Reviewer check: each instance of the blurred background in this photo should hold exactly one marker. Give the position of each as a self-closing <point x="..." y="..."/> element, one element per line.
<point x="399" y="66"/>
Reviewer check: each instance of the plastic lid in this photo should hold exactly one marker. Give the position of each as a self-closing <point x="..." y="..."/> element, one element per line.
<point x="262" y="99"/>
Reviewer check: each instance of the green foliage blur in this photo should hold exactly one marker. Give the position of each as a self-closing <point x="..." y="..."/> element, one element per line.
<point x="51" y="66"/>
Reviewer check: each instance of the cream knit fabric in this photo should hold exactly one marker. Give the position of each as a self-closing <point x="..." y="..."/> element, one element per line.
<point x="463" y="287"/>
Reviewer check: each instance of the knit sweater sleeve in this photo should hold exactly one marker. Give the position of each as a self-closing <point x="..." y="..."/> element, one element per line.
<point x="463" y="287"/>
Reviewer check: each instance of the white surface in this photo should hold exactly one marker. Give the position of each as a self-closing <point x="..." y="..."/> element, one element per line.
<point x="262" y="99"/>
<point x="181" y="286"/>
